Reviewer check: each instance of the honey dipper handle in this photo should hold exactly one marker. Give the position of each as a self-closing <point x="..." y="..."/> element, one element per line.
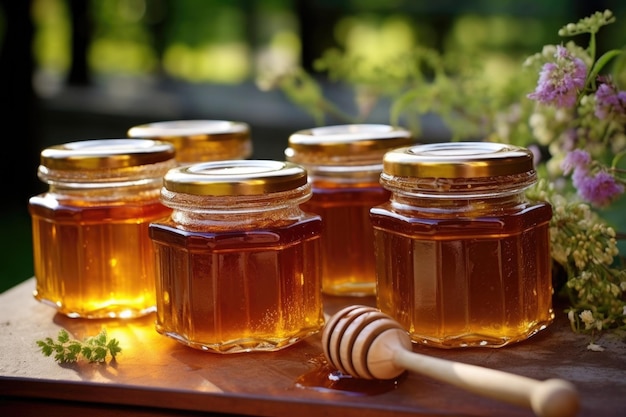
<point x="549" y="398"/>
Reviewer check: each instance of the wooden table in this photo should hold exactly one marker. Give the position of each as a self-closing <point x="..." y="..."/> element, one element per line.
<point x="157" y="376"/>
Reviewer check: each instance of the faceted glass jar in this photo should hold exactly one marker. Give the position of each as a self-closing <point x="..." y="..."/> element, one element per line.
<point x="200" y="140"/>
<point x="344" y="163"/>
<point x="93" y="257"/>
<point x="463" y="258"/>
<point x="238" y="260"/>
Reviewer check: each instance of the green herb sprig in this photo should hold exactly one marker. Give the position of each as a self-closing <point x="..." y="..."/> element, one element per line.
<point x="67" y="350"/>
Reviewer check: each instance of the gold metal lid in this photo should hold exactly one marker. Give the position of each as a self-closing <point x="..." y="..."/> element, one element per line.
<point x="345" y="140"/>
<point x="235" y="177"/>
<point x="190" y="130"/>
<point x="98" y="154"/>
<point x="458" y="160"/>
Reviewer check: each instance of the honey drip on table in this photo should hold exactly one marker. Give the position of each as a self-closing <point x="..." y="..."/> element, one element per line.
<point x="325" y="378"/>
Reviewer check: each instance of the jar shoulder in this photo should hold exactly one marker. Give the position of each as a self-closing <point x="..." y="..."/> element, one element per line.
<point x="519" y="217"/>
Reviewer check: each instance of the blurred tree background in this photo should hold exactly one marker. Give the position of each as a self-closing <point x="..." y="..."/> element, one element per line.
<point x="83" y="69"/>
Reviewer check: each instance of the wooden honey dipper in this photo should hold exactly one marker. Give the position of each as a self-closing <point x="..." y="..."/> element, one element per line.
<point x="363" y="342"/>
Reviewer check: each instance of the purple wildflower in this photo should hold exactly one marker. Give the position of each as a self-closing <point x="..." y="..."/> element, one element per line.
<point x="579" y="177"/>
<point x="599" y="189"/>
<point x="609" y="101"/>
<point x="576" y="160"/>
<point x="560" y="82"/>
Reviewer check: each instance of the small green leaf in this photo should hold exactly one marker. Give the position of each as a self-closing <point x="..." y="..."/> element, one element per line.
<point x="114" y="347"/>
<point x="602" y="61"/>
<point x="99" y="353"/>
<point x="74" y="347"/>
<point x="101" y="338"/>
<point x="46" y="349"/>
<point x="86" y="351"/>
<point x="63" y="336"/>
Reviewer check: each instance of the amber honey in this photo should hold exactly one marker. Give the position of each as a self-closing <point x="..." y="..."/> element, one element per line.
<point x="463" y="259"/>
<point x="348" y="238"/>
<point x="344" y="164"/>
<point x="92" y="254"/>
<point x="111" y="275"/>
<point x="238" y="260"/>
<point x="199" y="140"/>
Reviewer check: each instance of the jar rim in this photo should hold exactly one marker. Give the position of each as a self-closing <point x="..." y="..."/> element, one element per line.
<point x="100" y="154"/>
<point x="458" y="160"/>
<point x="235" y="177"/>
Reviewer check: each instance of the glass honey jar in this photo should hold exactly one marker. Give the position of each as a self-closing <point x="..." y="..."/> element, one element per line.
<point x="92" y="254"/>
<point x="238" y="260"/>
<point x="344" y="163"/>
<point x="463" y="258"/>
<point x="199" y="140"/>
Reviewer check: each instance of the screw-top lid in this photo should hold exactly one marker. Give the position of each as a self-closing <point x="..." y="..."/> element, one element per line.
<point x="236" y="177"/>
<point x="191" y="130"/>
<point x="458" y="160"/>
<point x="99" y="154"/>
<point x="200" y="140"/>
<point x="330" y="144"/>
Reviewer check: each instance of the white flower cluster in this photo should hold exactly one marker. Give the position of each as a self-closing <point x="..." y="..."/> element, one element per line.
<point x="586" y="248"/>
<point x="592" y="24"/>
<point x="578" y="235"/>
